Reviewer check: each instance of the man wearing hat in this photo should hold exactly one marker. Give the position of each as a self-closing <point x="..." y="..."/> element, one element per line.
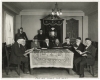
<point x="23" y="34"/>
<point x="18" y="53"/>
<point x="78" y="46"/>
<point x="47" y="43"/>
<point x="87" y="57"/>
<point x="57" y="43"/>
<point x="35" y="44"/>
<point x="67" y="44"/>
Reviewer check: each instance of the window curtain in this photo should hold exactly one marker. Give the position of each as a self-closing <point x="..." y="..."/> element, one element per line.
<point x="9" y="35"/>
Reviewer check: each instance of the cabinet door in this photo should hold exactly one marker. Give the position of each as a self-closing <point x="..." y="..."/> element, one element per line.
<point x="72" y="29"/>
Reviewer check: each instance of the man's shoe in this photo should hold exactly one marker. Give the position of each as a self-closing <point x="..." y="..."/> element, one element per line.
<point x="81" y="75"/>
<point x="27" y="72"/>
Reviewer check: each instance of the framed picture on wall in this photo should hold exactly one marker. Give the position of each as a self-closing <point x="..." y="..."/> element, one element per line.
<point x="72" y="29"/>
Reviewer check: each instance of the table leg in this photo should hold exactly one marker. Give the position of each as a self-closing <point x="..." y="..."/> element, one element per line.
<point x="70" y="71"/>
<point x="31" y="71"/>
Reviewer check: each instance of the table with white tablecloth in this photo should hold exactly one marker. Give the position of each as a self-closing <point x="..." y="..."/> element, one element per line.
<point x="58" y="58"/>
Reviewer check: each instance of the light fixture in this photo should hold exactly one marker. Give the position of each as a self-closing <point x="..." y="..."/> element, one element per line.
<point x="56" y="10"/>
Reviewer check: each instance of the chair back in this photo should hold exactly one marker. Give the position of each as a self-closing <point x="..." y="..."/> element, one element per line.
<point x="95" y="53"/>
<point x="95" y="44"/>
<point x="8" y="52"/>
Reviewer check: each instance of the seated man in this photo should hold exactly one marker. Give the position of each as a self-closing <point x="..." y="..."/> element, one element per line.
<point x="47" y="44"/>
<point x="57" y="43"/>
<point x="18" y="54"/>
<point x="78" y="46"/>
<point x="87" y="57"/>
<point x="67" y="44"/>
<point x="35" y="44"/>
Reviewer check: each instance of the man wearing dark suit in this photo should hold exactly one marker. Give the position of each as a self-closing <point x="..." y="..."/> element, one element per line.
<point x="67" y="44"/>
<point x="87" y="57"/>
<point x="78" y="46"/>
<point x="23" y="34"/>
<point x="35" y="44"/>
<point x="40" y="37"/>
<point x="47" y="44"/>
<point x="17" y="35"/>
<point x="18" y="53"/>
<point x="57" y="43"/>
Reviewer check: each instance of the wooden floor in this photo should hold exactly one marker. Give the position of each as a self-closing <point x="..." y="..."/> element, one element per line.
<point x="50" y="73"/>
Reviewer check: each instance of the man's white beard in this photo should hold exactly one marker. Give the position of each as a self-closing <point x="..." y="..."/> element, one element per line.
<point x="78" y="43"/>
<point x="68" y="42"/>
<point x="41" y="33"/>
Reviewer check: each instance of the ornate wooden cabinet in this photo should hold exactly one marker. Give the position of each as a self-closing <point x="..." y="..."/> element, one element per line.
<point x="52" y="27"/>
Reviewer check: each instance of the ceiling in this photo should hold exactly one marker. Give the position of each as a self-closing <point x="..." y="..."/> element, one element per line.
<point x="84" y="6"/>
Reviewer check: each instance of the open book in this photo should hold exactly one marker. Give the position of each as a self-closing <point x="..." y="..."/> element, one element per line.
<point x="43" y="48"/>
<point x="58" y="47"/>
<point x="81" y="53"/>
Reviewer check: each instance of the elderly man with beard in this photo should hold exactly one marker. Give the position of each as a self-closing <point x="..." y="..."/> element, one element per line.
<point x="18" y="54"/>
<point x="87" y="57"/>
<point x="78" y="46"/>
<point x="57" y="43"/>
<point x="67" y="44"/>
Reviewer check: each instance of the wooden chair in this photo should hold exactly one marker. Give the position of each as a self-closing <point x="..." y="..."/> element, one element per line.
<point x="10" y="66"/>
<point x="91" y="68"/>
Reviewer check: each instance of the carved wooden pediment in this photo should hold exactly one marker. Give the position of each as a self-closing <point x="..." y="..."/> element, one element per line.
<point x="52" y="20"/>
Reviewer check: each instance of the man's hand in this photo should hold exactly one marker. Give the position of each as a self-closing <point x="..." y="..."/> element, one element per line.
<point x="25" y="55"/>
<point x="75" y="47"/>
<point x="79" y="52"/>
<point x="84" y="55"/>
<point x="28" y="50"/>
<point x="85" y="51"/>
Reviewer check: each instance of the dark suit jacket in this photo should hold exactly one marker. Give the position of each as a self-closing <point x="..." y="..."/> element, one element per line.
<point x="45" y="45"/>
<point x="33" y="45"/>
<point x="17" y="36"/>
<point x="23" y="35"/>
<point x="81" y="47"/>
<point x="40" y="37"/>
<point x="68" y="46"/>
<point x="59" y="45"/>
<point x="90" y="54"/>
<point x="16" y="53"/>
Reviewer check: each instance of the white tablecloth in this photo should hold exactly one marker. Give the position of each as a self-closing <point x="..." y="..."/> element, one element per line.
<point x="59" y="58"/>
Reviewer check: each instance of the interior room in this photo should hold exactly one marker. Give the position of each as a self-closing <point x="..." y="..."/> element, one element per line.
<point x="57" y="20"/>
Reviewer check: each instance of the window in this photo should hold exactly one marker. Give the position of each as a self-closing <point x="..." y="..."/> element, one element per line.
<point x="9" y="31"/>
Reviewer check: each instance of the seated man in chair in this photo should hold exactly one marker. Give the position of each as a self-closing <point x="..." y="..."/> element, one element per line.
<point x="78" y="46"/>
<point x="67" y="44"/>
<point x="35" y="44"/>
<point x="57" y="43"/>
<point x="87" y="57"/>
<point x="47" y="44"/>
<point x="18" y="54"/>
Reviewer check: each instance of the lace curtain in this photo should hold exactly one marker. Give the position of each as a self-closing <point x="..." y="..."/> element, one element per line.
<point x="9" y="35"/>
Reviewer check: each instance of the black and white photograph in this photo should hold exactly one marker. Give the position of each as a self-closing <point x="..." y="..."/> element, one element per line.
<point x="47" y="39"/>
